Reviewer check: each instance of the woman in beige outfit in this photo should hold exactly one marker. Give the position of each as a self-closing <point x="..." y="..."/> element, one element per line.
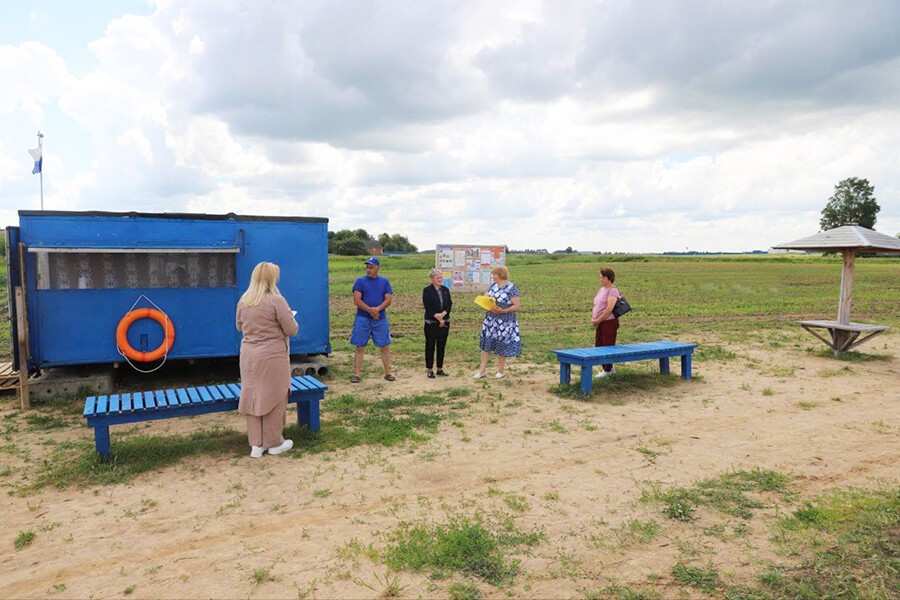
<point x="266" y="320"/>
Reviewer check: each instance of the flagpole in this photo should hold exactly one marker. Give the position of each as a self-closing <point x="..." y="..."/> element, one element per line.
<point x="41" y="147"/>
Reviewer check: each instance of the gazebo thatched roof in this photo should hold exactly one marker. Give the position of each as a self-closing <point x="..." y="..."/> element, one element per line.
<point x="848" y="237"/>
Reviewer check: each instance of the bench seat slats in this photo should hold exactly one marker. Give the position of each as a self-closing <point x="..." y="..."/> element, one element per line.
<point x="104" y="411"/>
<point x="182" y="396"/>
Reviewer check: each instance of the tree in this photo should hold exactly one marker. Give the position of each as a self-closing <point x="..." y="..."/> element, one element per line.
<point x="395" y="243"/>
<point x="852" y="202"/>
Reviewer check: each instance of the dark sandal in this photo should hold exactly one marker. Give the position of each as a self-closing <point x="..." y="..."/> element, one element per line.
<point x="389" y="377"/>
<point x="441" y="373"/>
<point x="430" y="374"/>
<point x="354" y="379"/>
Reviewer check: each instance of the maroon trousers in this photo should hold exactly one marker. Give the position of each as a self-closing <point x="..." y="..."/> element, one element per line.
<point x="605" y="335"/>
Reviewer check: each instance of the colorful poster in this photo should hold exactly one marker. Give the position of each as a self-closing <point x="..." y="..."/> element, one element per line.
<point x="467" y="268"/>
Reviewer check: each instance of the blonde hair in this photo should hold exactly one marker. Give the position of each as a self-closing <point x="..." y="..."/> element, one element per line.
<point x="501" y="271"/>
<point x="435" y="271"/>
<point x="263" y="281"/>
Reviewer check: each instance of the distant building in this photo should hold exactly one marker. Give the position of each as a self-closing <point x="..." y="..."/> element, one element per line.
<point x="373" y="248"/>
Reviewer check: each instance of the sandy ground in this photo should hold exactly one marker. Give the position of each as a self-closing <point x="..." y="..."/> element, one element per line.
<point x="574" y="470"/>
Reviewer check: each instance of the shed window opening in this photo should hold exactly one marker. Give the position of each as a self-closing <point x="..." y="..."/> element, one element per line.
<point x="124" y="270"/>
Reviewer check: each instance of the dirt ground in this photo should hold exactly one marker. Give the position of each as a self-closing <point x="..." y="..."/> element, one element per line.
<point x="210" y="526"/>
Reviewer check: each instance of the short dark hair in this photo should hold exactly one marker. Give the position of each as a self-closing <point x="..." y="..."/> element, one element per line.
<point x="609" y="274"/>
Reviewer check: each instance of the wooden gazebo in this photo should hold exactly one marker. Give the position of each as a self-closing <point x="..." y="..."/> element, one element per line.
<point x="849" y="240"/>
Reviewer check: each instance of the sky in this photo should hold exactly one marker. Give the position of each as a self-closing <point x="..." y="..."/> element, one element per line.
<point x="601" y="125"/>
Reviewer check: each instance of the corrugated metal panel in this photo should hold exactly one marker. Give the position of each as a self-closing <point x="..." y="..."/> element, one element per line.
<point x="846" y="237"/>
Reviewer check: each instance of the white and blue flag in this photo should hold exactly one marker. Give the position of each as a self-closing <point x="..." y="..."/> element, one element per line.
<point x="37" y="155"/>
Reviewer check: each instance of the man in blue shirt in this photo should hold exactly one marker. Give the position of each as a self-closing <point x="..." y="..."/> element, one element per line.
<point x="371" y="295"/>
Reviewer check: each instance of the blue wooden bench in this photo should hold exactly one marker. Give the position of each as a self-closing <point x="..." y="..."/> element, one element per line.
<point x="587" y="358"/>
<point x="115" y="409"/>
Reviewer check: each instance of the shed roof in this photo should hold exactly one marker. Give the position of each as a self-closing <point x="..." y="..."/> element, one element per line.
<point x="845" y="238"/>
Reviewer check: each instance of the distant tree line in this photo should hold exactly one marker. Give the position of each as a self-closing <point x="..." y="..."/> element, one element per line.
<point x="530" y="251"/>
<point x="353" y="242"/>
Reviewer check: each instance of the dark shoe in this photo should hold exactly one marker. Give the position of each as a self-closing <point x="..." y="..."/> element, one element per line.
<point x="354" y="379"/>
<point x="389" y="377"/>
<point x="430" y="374"/>
<point x="440" y="373"/>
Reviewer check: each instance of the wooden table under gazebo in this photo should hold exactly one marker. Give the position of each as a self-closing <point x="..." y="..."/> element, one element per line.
<point x="849" y="240"/>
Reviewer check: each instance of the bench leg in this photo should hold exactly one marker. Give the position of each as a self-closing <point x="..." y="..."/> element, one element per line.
<point x="664" y="366"/>
<point x="565" y="373"/>
<point x="101" y="440"/>
<point x="308" y="414"/>
<point x="686" y="366"/>
<point x="587" y="379"/>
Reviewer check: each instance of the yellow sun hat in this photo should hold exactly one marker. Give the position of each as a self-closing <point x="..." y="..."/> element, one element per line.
<point x="485" y="302"/>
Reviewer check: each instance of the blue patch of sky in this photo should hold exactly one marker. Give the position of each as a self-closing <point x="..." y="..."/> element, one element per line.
<point x="65" y="26"/>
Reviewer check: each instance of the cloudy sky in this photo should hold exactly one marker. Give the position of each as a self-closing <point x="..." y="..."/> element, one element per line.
<point x="611" y="125"/>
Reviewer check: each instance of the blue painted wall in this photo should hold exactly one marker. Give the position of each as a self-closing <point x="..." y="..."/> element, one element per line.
<point x="78" y="326"/>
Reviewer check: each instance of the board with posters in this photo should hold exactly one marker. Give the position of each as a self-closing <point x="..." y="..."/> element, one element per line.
<point x="467" y="268"/>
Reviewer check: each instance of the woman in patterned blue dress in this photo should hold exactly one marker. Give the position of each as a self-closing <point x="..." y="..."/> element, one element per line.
<point x="500" y="330"/>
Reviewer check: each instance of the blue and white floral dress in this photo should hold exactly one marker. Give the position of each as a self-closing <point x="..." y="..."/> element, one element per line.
<point x="500" y="333"/>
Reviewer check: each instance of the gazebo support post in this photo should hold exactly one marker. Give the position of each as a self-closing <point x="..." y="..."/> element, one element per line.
<point x="841" y="340"/>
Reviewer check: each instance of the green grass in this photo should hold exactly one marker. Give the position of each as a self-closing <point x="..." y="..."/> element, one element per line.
<point x="348" y="421"/>
<point x="706" y="580"/>
<point x="465" y="545"/>
<point x="23" y="539"/>
<point x="625" y="383"/>
<point x="727" y="494"/>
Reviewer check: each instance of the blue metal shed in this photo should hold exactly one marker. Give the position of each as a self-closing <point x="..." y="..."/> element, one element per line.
<point x="83" y="271"/>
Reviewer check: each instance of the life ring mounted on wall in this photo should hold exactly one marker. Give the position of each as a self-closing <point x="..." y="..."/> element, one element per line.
<point x="145" y="313"/>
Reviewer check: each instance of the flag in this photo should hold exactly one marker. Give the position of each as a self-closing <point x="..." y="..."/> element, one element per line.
<point x="37" y="155"/>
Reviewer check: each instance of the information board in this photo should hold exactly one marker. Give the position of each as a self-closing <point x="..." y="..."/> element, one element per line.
<point x="468" y="268"/>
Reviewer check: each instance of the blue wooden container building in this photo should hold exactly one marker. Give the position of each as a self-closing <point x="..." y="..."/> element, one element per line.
<point x="83" y="271"/>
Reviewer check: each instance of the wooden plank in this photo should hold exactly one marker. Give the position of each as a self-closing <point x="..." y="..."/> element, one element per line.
<point x="845" y="301"/>
<point x="126" y="402"/>
<point x="172" y="398"/>
<point x="90" y="403"/>
<point x="214" y="391"/>
<point x="235" y="389"/>
<point x="194" y="396"/>
<point x="137" y="401"/>
<point x="160" y="397"/>
<point x="226" y="393"/>
<point x="205" y="395"/>
<point x="114" y="403"/>
<point x="22" y="337"/>
<point x="182" y="396"/>
<point x="101" y="405"/>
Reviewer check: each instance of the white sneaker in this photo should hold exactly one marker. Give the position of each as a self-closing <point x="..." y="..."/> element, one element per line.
<point x="478" y="375"/>
<point x="498" y="375"/>
<point x="603" y="374"/>
<point x="256" y="451"/>
<point x="284" y="447"/>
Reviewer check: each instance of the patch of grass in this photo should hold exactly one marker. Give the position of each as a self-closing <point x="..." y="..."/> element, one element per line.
<point x="704" y="352"/>
<point x="23" y="539"/>
<point x="726" y="493"/>
<point x="457" y="392"/>
<point x="705" y="580"/>
<point x="854" y="539"/>
<point x="76" y="463"/>
<point x="353" y="421"/>
<point x="262" y="575"/>
<point x="625" y="382"/>
<point x="767" y="391"/>
<point x="619" y="592"/>
<point x="643" y="531"/>
<point x="324" y="493"/>
<point x="466" y="545"/>
<point x="803" y="405"/>
<point x="464" y="591"/>
<point x="39" y="422"/>
<point x="853" y="356"/>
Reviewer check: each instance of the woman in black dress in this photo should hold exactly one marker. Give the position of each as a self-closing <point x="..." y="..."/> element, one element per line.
<point x="437" y="302"/>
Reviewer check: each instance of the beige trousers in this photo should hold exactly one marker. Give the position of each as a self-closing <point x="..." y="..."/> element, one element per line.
<point x="267" y="430"/>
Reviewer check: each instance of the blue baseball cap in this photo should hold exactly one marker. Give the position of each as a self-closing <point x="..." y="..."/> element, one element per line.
<point x="372" y="261"/>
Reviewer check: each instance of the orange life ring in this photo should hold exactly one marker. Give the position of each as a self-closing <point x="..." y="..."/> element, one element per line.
<point x="145" y="313"/>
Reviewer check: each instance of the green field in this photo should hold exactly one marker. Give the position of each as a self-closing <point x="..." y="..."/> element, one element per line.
<point x="728" y="297"/>
<point x="673" y="297"/>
